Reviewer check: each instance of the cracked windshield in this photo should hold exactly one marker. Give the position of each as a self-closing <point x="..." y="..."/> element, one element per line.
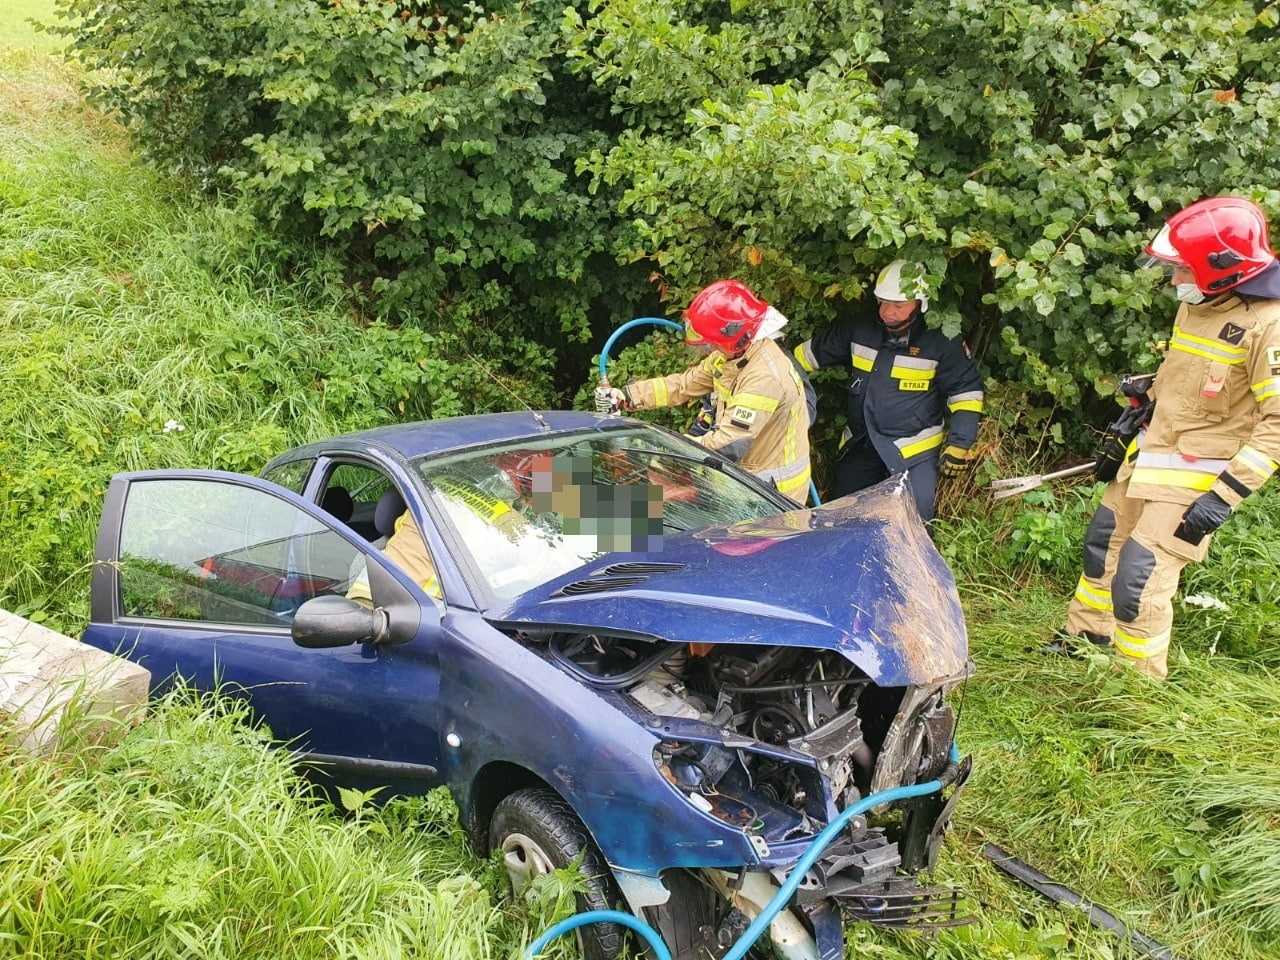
<point x="532" y="511"/>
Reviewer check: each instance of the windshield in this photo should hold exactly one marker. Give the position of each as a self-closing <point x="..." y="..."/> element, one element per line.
<point x="530" y="511"/>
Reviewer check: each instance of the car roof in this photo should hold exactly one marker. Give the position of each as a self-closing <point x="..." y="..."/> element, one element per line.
<point x="427" y="437"/>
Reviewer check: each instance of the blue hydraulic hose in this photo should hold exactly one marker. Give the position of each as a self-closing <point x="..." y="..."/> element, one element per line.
<point x="608" y="344"/>
<point x="774" y="906"/>
<point x="660" y="950"/>
<point x="661" y="322"/>
<point x="794" y="879"/>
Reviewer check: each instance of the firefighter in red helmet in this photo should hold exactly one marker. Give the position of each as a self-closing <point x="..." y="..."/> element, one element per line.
<point x="761" y="415"/>
<point x="1213" y="438"/>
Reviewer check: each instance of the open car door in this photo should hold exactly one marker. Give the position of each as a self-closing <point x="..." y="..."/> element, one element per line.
<point x="200" y="575"/>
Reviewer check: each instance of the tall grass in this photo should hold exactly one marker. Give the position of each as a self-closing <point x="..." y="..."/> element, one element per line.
<point x="138" y="331"/>
<point x="192" y="838"/>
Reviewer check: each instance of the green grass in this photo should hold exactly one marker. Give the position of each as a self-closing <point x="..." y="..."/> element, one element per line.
<point x="126" y="304"/>
<point x="192" y="838"/>
<point x="17" y="30"/>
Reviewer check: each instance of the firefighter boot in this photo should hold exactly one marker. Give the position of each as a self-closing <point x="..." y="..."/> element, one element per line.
<point x="1066" y="644"/>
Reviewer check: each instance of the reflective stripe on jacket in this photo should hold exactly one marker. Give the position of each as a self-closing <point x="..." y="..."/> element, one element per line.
<point x="762" y="420"/>
<point x="902" y="390"/>
<point x="1216" y="424"/>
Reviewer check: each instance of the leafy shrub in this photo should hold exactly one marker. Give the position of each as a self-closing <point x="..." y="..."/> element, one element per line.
<point x="433" y="145"/>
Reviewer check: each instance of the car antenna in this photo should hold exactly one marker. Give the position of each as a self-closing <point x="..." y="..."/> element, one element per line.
<point x="542" y="423"/>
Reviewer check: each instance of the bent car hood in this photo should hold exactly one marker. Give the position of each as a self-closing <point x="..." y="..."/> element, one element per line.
<point x="859" y="575"/>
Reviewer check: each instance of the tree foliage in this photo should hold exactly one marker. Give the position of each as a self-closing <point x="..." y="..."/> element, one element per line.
<point x="434" y="144"/>
<point x="499" y="168"/>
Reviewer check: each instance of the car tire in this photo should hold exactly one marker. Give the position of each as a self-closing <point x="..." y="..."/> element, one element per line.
<point x="536" y="832"/>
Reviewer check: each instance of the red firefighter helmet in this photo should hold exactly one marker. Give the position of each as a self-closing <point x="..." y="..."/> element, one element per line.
<point x="726" y="315"/>
<point x="1222" y="241"/>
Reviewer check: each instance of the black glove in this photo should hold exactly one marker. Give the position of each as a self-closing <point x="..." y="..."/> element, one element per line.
<point x="705" y="420"/>
<point x="1206" y="515"/>
<point x="1115" y="442"/>
<point x="1132" y="420"/>
<point x="954" y="462"/>
<point x="1111" y="453"/>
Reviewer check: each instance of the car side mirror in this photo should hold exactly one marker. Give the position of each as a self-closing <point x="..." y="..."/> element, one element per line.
<point x="332" y="621"/>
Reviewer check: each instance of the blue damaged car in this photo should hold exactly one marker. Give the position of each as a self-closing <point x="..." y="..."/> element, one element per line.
<point x="649" y="662"/>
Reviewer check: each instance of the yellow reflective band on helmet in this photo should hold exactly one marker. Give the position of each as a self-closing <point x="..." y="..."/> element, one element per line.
<point x="804" y="353"/>
<point x="753" y="401"/>
<point x="916" y="447"/>
<point x="1165" y="477"/>
<point x="1202" y="347"/>
<point x="1092" y="597"/>
<point x="1257" y="462"/>
<point x="1266" y="389"/>
<point x="1141" y="648"/>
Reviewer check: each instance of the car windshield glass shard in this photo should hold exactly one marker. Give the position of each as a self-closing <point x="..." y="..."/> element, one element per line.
<point x="223" y="553"/>
<point x="529" y="512"/>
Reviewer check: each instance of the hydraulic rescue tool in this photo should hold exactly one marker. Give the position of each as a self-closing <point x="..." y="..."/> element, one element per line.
<point x="1112" y="448"/>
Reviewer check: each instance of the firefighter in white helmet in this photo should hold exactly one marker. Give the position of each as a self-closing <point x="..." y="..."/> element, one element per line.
<point x="1213" y="439"/>
<point x="908" y="382"/>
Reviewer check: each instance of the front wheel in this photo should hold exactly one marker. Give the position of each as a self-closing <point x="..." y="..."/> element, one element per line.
<point x="537" y="833"/>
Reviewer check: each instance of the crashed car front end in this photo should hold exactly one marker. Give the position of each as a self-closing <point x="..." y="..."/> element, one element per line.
<point x="787" y="669"/>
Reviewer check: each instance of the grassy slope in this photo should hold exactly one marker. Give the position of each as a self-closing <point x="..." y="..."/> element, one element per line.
<point x="17" y="30"/>
<point x="1160" y="802"/>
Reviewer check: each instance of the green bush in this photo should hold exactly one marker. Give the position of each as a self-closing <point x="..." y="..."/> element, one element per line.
<point x="433" y="145"/>
<point x="512" y="172"/>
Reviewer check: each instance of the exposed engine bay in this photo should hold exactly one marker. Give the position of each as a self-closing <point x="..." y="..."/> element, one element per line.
<point x="776" y="740"/>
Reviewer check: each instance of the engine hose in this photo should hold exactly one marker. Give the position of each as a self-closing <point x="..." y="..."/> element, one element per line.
<point x="780" y="899"/>
<point x="660" y="322"/>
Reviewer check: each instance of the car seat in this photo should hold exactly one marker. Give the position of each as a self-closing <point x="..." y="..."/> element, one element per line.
<point x="386" y="513"/>
<point x="338" y="504"/>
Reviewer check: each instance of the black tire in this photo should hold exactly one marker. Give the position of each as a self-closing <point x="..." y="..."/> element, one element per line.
<point x="537" y="832"/>
<point x="687" y="922"/>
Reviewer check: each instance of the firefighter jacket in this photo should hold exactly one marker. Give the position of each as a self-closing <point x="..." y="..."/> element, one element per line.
<point x="761" y="418"/>
<point x="902" y="388"/>
<point x="1216" y="424"/>
<point x="407" y="550"/>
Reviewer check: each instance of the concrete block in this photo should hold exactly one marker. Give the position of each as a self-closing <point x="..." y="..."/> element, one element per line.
<point x="47" y="678"/>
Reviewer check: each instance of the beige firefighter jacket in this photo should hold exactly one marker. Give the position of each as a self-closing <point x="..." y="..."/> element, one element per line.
<point x="762" y="420"/>
<point x="407" y="550"/>
<point x="1216" y="424"/>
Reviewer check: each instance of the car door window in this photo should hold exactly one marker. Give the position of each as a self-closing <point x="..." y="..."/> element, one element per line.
<point x="224" y="553"/>
<point x="361" y="487"/>
<point x="292" y="475"/>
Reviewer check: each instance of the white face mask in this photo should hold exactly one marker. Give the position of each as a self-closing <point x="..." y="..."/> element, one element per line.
<point x="1189" y="293"/>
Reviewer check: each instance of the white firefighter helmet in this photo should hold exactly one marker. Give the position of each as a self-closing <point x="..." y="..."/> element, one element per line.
<point x="889" y="283"/>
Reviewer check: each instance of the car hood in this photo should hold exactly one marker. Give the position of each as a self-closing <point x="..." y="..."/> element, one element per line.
<point x="859" y="575"/>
